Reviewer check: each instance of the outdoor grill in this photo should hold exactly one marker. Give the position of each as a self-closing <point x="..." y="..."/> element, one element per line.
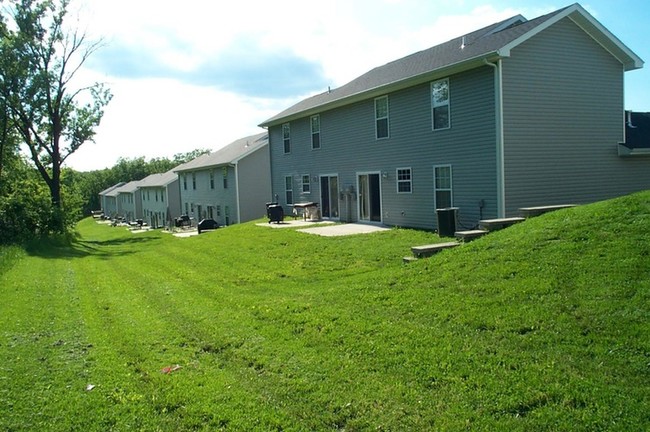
<point x="274" y="212"/>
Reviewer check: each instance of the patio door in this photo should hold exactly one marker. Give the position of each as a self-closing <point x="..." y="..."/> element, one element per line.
<point x="369" y="198"/>
<point x="329" y="196"/>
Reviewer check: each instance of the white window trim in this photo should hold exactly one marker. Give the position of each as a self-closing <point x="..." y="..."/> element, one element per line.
<point x="311" y="126"/>
<point x="433" y="105"/>
<point x="302" y="184"/>
<point x="409" y="181"/>
<point x="451" y="185"/>
<point x="287" y="189"/>
<point x="381" y="118"/>
<point x="284" y="148"/>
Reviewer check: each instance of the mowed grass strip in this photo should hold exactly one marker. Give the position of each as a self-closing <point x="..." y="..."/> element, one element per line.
<point x="543" y="326"/>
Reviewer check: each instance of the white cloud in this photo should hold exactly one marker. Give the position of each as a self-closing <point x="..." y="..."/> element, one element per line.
<point x="185" y="75"/>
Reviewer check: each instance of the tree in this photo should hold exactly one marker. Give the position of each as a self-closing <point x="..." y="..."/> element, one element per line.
<point x="40" y="59"/>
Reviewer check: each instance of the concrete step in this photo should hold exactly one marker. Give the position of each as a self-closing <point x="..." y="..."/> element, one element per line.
<point x="528" y="212"/>
<point x="428" y="250"/>
<point x="497" y="224"/>
<point x="469" y="235"/>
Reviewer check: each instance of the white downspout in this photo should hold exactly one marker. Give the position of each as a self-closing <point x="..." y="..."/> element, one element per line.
<point x="500" y="160"/>
<point x="237" y="192"/>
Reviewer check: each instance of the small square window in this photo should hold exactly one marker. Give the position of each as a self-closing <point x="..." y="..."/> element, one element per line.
<point x="306" y="184"/>
<point x="404" y="180"/>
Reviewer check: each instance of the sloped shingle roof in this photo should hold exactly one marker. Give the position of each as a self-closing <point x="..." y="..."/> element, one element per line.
<point x="490" y="42"/>
<point x="130" y="187"/>
<point x="229" y="154"/>
<point x="159" y="180"/>
<point x="107" y="190"/>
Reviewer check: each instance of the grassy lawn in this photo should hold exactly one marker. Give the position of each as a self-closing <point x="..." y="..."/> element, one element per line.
<point x="543" y="326"/>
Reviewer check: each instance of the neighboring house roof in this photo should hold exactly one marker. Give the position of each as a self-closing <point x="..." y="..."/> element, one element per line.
<point x="230" y="154"/>
<point x="107" y="190"/>
<point x="637" y="135"/>
<point x="465" y="52"/>
<point x="129" y="187"/>
<point x="159" y="180"/>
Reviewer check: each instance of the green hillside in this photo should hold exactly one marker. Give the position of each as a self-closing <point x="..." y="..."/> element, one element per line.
<point x="542" y="326"/>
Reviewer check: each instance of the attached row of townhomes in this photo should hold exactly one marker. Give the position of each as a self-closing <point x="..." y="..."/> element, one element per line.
<point x="517" y="114"/>
<point x="520" y="113"/>
<point x="230" y="185"/>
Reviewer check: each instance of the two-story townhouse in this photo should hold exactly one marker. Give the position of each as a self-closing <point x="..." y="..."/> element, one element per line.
<point x="230" y="185"/>
<point x="519" y="113"/>
<point x="108" y="201"/>
<point x="128" y="200"/>
<point x="637" y="135"/>
<point x="161" y="202"/>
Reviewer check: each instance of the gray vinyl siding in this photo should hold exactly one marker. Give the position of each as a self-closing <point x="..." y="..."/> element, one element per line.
<point x="349" y="147"/>
<point x="173" y="199"/>
<point x="166" y="209"/>
<point x="563" y="118"/>
<point x="205" y="196"/>
<point x="254" y="184"/>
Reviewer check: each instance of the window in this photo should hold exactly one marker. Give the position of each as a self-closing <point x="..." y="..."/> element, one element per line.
<point x="224" y="170"/>
<point x="288" y="189"/>
<point x="218" y="210"/>
<point x="381" y="117"/>
<point x="156" y="193"/>
<point x="226" y="211"/>
<point x="187" y="208"/>
<point x="194" y="181"/>
<point x="162" y="195"/>
<point x="442" y="185"/>
<point x="315" y="132"/>
<point x="184" y="181"/>
<point x="404" y="180"/>
<point x="211" y="179"/>
<point x="306" y="185"/>
<point x="286" y="137"/>
<point x="440" y="104"/>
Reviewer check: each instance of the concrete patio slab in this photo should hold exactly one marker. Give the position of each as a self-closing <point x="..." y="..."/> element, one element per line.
<point x="344" y="229"/>
<point x="293" y="223"/>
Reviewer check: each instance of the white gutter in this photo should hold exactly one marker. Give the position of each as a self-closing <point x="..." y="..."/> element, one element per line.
<point x="500" y="160"/>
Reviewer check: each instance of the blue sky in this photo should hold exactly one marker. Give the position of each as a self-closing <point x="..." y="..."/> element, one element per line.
<point x="202" y="74"/>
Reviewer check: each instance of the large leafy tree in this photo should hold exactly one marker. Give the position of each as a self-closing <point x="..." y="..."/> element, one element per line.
<point x="40" y="59"/>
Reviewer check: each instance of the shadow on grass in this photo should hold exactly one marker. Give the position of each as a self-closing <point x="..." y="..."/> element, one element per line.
<point x="74" y="248"/>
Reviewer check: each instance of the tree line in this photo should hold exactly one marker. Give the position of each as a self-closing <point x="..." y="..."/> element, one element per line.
<point x="45" y="116"/>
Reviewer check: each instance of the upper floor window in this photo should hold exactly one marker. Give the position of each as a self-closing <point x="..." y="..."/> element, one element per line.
<point x="225" y="177"/>
<point x="381" y="117"/>
<point x="211" y="179"/>
<point x="404" y="180"/>
<point x="194" y="181"/>
<point x="440" y="104"/>
<point x="184" y="181"/>
<point x="286" y="137"/>
<point x="443" y="186"/>
<point x="315" y="132"/>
